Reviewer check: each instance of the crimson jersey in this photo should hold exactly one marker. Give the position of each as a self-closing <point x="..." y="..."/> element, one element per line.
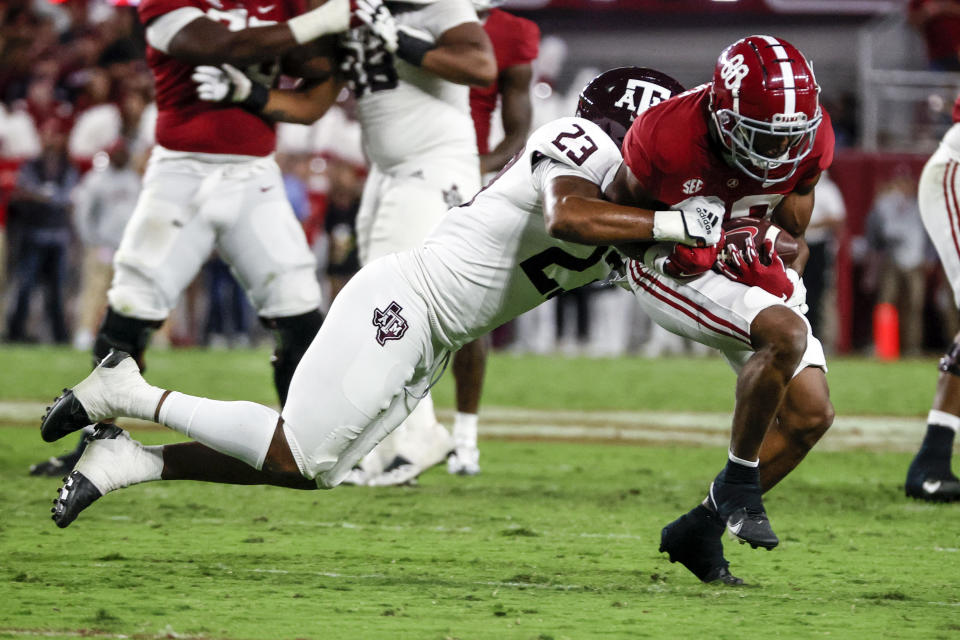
<point x="670" y="152"/>
<point x="956" y="110"/>
<point x="186" y="123"/>
<point x="516" y="41"/>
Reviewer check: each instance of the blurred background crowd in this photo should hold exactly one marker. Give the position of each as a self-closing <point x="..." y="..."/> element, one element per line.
<point x="76" y="125"/>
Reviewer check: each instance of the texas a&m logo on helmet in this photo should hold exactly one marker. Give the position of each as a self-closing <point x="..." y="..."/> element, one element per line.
<point x="613" y="99"/>
<point x="765" y="106"/>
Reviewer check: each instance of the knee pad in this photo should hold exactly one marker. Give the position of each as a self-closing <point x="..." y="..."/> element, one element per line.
<point x="293" y="334"/>
<point x="950" y="362"/>
<point x="125" y="333"/>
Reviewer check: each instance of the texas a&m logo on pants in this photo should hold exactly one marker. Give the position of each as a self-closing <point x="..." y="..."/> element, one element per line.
<point x="389" y="323"/>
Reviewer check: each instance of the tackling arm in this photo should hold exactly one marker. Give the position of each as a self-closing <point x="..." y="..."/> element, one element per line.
<point x="516" y="114"/>
<point x="574" y="210"/>
<point x="463" y="55"/>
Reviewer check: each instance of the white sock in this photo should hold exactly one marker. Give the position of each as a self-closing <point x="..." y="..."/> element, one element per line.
<point x="239" y="429"/>
<point x="465" y="429"/>
<point x="944" y="419"/>
<point x="746" y="463"/>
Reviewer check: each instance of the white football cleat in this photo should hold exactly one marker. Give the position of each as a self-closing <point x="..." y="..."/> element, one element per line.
<point x="464" y="461"/>
<point x="114" y="389"/>
<point x="112" y="460"/>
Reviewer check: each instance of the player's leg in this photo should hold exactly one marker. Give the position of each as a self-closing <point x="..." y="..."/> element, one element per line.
<point x="804" y="417"/>
<point x="469" y="366"/>
<point x="779" y="338"/>
<point x="719" y="313"/>
<point x="929" y="476"/>
<point x="164" y="245"/>
<point x="396" y="214"/>
<point x="267" y="251"/>
<point x="357" y="381"/>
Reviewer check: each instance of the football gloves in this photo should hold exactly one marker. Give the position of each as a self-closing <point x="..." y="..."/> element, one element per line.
<point x="375" y="16"/>
<point x="762" y="269"/>
<point x="228" y="85"/>
<point x="694" y="222"/>
<point x="365" y="63"/>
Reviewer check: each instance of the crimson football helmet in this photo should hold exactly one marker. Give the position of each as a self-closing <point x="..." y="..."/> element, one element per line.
<point x="614" y="98"/>
<point x="764" y="103"/>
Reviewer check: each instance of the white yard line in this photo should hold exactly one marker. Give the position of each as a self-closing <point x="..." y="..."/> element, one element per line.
<point x="710" y="429"/>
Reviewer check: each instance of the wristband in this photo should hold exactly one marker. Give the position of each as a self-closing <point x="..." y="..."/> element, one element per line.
<point x="257" y="100"/>
<point x="330" y="17"/>
<point x="668" y="226"/>
<point x="411" y="48"/>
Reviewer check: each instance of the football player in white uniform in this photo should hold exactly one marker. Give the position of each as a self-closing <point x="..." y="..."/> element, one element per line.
<point x="929" y="476"/>
<point x="542" y="227"/>
<point x="413" y="108"/>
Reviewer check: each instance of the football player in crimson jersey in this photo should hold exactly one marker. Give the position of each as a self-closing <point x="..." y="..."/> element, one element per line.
<point x="541" y="227"/>
<point x="212" y="183"/>
<point x="756" y="139"/>
<point x="929" y="476"/>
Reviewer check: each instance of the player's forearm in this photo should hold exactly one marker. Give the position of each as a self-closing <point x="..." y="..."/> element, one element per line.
<point x="462" y="63"/>
<point x="594" y="221"/>
<point x="501" y="154"/>
<point x="304" y="106"/>
<point x="204" y="41"/>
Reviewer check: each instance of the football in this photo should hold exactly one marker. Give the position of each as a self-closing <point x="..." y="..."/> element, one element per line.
<point x="737" y="231"/>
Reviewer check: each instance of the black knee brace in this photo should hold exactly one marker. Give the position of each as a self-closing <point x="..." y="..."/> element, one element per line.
<point x="124" y="333"/>
<point x="293" y="334"/>
<point x="950" y="363"/>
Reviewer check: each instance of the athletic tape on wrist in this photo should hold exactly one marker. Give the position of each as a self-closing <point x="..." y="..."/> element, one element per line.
<point x="668" y="226"/>
<point x="331" y="17"/>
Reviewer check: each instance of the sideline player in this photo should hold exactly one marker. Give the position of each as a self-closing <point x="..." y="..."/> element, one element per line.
<point x="929" y="476"/>
<point x="541" y="227"/>
<point x="516" y="42"/>
<point x="212" y="181"/>
<point x="756" y="138"/>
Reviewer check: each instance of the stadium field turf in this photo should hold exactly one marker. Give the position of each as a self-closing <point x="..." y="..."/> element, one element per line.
<point x="555" y="539"/>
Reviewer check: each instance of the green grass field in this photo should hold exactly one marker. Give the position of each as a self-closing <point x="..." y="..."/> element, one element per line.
<point x="552" y="540"/>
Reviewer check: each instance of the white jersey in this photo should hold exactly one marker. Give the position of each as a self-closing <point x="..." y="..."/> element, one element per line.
<point x="492" y="259"/>
<point x="424" y="114"/>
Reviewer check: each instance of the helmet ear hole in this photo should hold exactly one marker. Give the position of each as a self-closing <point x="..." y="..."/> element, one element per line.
<point x="614" y="98"/>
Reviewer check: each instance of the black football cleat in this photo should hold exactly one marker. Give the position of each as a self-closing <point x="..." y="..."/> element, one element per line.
<point x="76" y="494"/>
<point x="740" y="506"/>
<point x="694" y="540"/>
<point x="65" y="416"/>
<point x="925" y="483"/>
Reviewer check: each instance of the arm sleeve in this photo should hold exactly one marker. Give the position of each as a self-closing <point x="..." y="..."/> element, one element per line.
<point x="162" y="30"/>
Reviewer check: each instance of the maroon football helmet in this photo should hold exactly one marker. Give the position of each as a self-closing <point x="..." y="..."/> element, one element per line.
<point x="764" y="102"/>
<point x="614" y="98"/>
